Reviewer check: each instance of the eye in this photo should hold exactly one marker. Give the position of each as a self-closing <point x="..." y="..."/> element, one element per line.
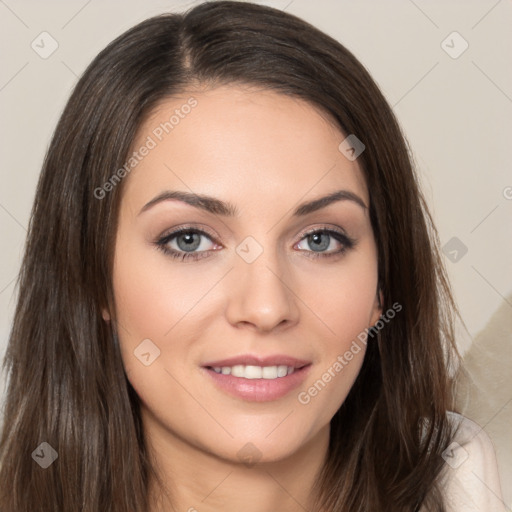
<point x="323" y="243"/>
<point x="184" y="242"/>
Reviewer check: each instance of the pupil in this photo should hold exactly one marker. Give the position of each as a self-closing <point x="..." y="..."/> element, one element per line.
<point x="191" y="241"/>
<point x="316" y="238"/>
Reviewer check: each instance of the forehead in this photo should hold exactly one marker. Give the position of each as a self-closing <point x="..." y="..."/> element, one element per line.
<point x="241" y="144"/>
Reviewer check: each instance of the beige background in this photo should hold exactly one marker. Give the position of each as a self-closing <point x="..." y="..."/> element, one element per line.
<point x="455" y="112"/>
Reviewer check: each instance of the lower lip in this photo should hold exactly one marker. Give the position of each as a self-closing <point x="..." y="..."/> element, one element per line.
<point x="259" y="390"/>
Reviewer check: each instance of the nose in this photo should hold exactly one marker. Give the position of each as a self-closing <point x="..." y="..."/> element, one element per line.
<point x="260" y="294"/>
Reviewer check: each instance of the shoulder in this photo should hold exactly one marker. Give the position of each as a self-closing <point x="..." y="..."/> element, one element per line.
<point x="470" y="479"/>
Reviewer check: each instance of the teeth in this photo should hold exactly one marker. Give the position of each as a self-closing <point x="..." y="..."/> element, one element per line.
<point x="252" y="372"/>
<point x="282" y="371"/>
<point x="255" y="372"/>
<point x="238" y="370"/>
<point x="269" y="372"/>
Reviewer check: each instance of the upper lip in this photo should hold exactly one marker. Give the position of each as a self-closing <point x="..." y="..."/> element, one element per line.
<point x="252" y="360"/>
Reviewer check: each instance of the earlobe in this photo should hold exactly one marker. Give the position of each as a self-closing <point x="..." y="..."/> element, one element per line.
<point x="377" y="308"/>
<point x="105" y="314"/>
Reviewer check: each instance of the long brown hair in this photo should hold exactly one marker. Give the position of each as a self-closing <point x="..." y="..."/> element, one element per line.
<point x="66" y="381"/>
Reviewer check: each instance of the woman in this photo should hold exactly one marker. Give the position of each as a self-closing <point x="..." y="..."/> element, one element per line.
<point x="232" y="296"/>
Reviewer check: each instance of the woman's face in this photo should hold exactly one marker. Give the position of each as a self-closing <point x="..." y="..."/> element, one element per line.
<point x="233" y="331"/>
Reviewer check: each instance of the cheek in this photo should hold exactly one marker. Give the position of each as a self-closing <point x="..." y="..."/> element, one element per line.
<point x="343" y="296"/>
<point x="157" y="300"/>
<point x="344" y="300"/>
<point x="153" y="294"/>
<point x="346" y="310"/>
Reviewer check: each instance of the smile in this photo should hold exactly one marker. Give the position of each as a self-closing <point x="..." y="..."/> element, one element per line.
<point x="257" y="379"/>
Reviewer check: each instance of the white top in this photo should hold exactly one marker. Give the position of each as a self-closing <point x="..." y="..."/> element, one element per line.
<point x="471" y="478"/>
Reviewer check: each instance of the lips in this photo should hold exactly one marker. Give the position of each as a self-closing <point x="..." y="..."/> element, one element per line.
<point x="244" y="384"/>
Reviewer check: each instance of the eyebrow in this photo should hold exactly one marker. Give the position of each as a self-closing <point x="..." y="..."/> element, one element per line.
<point x="218" y="207"/>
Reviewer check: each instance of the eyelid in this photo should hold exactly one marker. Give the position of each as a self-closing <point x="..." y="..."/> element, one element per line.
<point x="322" y="227"/>
<point x="190" y="227"/>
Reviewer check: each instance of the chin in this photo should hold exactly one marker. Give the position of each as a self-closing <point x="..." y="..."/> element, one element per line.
<point x="263" y="447"/>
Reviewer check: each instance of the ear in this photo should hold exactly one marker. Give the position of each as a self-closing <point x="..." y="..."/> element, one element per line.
<point x="105" y="314"/>
<point x="377" y="307"/>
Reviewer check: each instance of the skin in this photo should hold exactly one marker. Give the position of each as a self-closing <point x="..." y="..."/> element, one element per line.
<point x="266" y="153"/>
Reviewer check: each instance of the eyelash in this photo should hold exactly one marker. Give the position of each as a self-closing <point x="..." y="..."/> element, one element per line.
<point x="347" y="243"/>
